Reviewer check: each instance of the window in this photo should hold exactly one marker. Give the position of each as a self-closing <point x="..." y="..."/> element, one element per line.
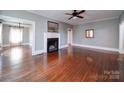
<point x="15" y="35"/>
<point x="89" y="33"/>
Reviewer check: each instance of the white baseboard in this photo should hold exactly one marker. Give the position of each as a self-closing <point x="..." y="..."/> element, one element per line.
<point x="121" y="52"/>
<point x="6" y="45"/>
<point x="80" y="45"/>
<point x="38" y="52"/>
<point x="97" y="47"/>
<point x="63" y="46"/>
<point x="25" y="44"/>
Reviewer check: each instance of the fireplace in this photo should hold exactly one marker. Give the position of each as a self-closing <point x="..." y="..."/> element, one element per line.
<point x="52" y="44"/>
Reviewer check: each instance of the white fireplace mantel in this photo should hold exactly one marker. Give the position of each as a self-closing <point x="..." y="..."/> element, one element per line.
<point x="50" y="35"/>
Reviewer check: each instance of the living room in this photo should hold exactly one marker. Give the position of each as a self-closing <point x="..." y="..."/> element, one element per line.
<point x="64" y="46"/>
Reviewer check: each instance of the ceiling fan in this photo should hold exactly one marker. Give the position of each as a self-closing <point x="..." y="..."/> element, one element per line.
<point x="76" y="14"/>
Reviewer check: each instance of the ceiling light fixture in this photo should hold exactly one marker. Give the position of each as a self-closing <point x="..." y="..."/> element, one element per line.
<point x="74" y="17"/>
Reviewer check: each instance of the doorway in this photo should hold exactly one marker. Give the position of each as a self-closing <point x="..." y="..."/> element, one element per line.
<point x="16" y="34"/>
<point x="69" y="36"/>
<point x="16" y="40"/>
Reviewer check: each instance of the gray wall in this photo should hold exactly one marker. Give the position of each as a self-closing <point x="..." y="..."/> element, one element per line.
<point x="41" y="26"/>
<point x="106" y="34"/>
<point x="63" y="33"/>
<point x="63" y="27"/>
<point x="6" y="32"/>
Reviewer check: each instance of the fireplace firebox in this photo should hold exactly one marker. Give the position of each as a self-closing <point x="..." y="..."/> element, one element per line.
<point x="52" y="44"/>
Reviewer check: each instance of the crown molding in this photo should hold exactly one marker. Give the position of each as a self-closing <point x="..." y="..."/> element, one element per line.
<point x="98" y="20"/>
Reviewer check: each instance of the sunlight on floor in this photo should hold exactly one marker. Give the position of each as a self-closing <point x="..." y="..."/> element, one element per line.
<point x="16" y="54"/>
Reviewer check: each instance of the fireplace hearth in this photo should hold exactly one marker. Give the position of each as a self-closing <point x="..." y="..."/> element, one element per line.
<point x="52" y="44"/>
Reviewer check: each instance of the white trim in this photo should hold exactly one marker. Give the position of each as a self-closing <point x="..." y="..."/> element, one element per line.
<point x="121" y="38"/>
<point x="25" y="44"/>
<point x="33" y="37"/>
<point x="38" y="52"/>
<point x="15" y="24"/>
<point x="1" y="43"/>
<point x="121" y="52"/>
<point x="63" y="46"/>
<point x="98" y="20"/>
<point x="16" y="19"/>
<point x="96" y="47"/>
<point x="8" y="45"/>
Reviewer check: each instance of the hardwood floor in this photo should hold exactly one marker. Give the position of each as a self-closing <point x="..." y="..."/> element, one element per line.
<point x="73" y="64"/>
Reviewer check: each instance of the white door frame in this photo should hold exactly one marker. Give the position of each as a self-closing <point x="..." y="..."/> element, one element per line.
<point x="25" y="21"/>
<point x="1" y="42"/>
<point x="121" y="38"/>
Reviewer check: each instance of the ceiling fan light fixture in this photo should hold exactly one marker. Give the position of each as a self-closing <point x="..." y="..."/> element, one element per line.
<point x="74" y="17"/>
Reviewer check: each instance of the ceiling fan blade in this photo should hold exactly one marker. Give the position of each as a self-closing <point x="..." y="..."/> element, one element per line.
<point x="81" y="11"/>
<point x="80" y="16"/>
<point x="68" y="14"/>
<point x="70" y="18"/>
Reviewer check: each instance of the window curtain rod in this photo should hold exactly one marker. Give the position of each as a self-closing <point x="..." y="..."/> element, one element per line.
<point x="16" y="26"/>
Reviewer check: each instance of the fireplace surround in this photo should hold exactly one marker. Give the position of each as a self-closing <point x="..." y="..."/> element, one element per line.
<point x="52" y="44"/>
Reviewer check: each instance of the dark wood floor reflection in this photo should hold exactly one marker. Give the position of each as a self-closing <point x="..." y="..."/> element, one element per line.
<point x="73" y="64"/>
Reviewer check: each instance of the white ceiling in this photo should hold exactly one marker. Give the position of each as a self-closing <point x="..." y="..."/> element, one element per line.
<point x="89" y="15"/>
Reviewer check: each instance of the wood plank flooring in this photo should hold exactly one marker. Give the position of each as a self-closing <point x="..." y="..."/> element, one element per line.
<point x="73" y="64"/>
